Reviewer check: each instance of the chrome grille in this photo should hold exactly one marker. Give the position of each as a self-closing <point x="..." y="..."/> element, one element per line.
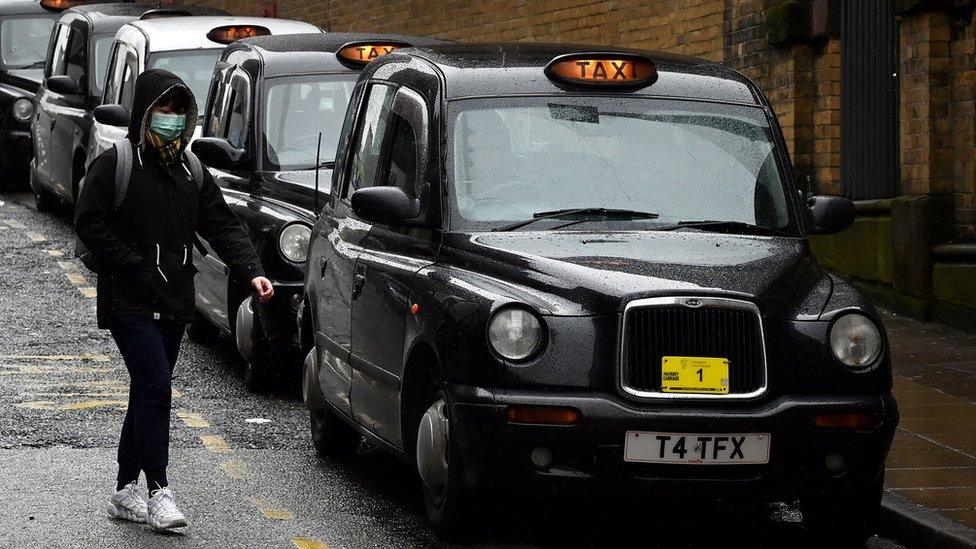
<point x="689" y="326"/>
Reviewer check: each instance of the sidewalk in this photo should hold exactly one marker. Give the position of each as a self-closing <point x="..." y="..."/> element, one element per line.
<point x="933" y="458"/>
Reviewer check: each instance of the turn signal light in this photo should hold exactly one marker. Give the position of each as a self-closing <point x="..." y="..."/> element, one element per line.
<point x="59" y="5"/>
<point x="543" y="415"/>
<point x="233" y="33"/>
<point x="856" y="421"/>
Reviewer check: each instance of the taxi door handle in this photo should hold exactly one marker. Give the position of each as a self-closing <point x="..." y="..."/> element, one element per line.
<point x="359" y="280"/>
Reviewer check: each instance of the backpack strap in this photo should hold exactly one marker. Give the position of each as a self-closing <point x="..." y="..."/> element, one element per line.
<point x="123" y="170"/>
<point x="196" y="167"/>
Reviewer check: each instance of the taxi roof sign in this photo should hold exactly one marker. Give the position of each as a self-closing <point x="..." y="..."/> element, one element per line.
<point x="360" y="53"/>
<point x="602" y="69"/>
<point x="233" y="33"/>
<point x="59" y="5"/>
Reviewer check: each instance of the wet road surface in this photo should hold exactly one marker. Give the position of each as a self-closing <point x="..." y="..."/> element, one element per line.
<point x="241" y="464"/>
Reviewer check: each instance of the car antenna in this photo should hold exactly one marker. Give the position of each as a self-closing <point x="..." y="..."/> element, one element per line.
<point x="318" y="168"/>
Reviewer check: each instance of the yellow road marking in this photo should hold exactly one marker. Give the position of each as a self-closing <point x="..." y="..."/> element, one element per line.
<point x="236" y="470"/>
<point x="76" y="279"/>
<point x="85" y="357"/>
<point x="193" y="420"/>
<point x="88" y="291"/>
<point x="34" y="237"/>
<point x="55" y="253"/>
<point x="66" y="265"/>
<point x="175" y="393"/>
<point x="15" y="224"/>
<point x="306" y="543"/>
<point x="74" y="406"/>
<point x="271" y="512"/>
<point x="215" y="444"/>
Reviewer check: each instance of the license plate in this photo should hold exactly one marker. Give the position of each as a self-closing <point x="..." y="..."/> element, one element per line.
<point x="694" y="374"/>
<point x="697" y="448"/>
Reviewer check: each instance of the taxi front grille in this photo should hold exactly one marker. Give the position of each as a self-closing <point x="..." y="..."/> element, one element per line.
<point x="692" y="327"/>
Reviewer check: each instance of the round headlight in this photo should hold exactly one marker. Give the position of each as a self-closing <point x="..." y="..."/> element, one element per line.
<point x="22" y="109"/>
<point x="855" y="340"/>
<point x="293" y="242"/>
<point x="515" y="334"/>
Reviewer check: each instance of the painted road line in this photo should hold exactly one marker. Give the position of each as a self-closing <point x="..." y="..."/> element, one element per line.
<point x="66" y="265"/>
<point x="192" y="420"/>
<point x="76" y="279"/>
<point x="84" y="358"/>
<point x="175" y="393"/>
<point x="236" y="470"/>
<point x="306" y="543"/>
<point x="34" y="237"/>
<point x="270" y="511"/>
<point x="215" y="444"/>
<point x="55" y="253"/>
<point x="15" y="224"/>
<point x="74" y="406"/>
<point x="88" y="291"/>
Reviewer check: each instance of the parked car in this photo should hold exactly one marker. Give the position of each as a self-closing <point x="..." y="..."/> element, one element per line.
<point x="557" y="266"/>
<point x="270" y="133"/>
<point x="25" y="30"/>
<point x="187" y="47"/>
<point x="76" y="63"/>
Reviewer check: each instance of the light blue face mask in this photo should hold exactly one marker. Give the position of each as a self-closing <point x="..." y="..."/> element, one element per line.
<point x="167" y="126"/>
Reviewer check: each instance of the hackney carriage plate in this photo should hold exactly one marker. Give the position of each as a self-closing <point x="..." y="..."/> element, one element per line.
<point x="697" y="448"/>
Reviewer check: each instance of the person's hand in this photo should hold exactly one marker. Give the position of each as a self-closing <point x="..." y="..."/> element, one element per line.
<point x="263" y="288"/>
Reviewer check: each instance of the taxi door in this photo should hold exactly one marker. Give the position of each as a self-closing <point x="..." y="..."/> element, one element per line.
<point x="390" y="258"/>
<point x="46" y="108"/>
<point x="120" y="83"/>
<point x="67" y="112"/>
<point x="338" y="244"/>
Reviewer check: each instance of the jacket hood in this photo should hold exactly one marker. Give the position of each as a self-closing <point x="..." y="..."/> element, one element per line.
<point x="598" y="273"/>
<point x="151" y="85"/>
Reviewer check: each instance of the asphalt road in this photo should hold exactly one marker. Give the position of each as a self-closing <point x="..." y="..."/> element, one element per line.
<point x="241" y="464"/>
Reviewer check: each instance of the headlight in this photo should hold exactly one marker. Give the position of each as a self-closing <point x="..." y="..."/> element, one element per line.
<point x="855" y="340"/>
<point x="293" y="242"/>
<point x="23" y="109"/>
<point x="515" y="334"/>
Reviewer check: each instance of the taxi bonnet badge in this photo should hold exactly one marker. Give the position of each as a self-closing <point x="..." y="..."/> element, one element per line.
<point x="693" y="303"/>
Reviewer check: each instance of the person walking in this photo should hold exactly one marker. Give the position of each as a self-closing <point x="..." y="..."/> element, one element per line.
<point x="143" y="250"/>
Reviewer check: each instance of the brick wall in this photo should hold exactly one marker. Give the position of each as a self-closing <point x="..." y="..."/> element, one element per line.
<point x="801" y="77"/>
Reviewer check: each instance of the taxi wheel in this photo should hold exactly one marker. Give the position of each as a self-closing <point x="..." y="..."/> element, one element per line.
<point x="445" y="498"/>
<point x="43" y="200"/>
<point x="331" y="436"/>
<point x="257" y="369"/>
<point x="202" y="330"/>
<point x="844" y="519"/>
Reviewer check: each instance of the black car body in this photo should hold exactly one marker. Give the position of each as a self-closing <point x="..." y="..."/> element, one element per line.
<point x="275" y="111"/>
<point x="519" y="253"/>
<point x="25" y="30"/>
<point x="77" y="60"/>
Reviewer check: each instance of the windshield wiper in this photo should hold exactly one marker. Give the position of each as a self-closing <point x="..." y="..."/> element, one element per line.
<point x="566" y="212"/>
<point x="327" y="164"/>
<point x="734" y="227"/>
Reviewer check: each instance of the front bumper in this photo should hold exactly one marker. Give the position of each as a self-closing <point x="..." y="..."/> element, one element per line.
<point x="589" y="455"/>
<point x="15" y="149"/>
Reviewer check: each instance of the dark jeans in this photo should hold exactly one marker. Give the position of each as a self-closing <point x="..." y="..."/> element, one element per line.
<point x="149" y="348"/>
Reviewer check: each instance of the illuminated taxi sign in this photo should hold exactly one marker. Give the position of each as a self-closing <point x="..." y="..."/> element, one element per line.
<point x="602" y="69"/>
<point x="59" y="5"/>
<point x="233" y="33"/>
<point x="360" y="53"/>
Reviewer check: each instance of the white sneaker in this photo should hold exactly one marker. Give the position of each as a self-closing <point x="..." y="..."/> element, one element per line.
<point x="163" y="513"/>
<point x="128" y="504"/>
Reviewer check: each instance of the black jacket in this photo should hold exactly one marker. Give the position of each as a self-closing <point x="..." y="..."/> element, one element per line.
<point x="145" y="247"/>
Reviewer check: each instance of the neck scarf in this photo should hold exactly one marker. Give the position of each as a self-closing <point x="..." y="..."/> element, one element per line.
<point x="169" y="151"/>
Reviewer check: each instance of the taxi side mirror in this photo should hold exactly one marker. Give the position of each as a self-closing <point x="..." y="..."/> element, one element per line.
<point x="829" y="214"/>
<point x="386" y="205"/>
<point x="64" y="85"/>
<point x="112" y="115"/>
<point x="218" y="153"/>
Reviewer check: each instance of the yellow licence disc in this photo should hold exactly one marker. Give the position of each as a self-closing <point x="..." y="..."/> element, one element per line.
<point x="693" y="374"/>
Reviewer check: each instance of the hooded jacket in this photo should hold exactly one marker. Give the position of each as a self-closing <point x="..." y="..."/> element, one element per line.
<point x="145" y="246"/>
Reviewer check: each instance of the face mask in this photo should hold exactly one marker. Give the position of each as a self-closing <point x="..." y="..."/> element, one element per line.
<point x="167" y="126"/>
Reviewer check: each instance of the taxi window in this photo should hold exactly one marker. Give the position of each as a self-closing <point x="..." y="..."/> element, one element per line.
<point x="683" y="160"/>
<point x="75" y="57"/>
<point x="24" y="41"/>
<point x="56" y="65"/>
<point x="237" y="117"/>
<point x="401" y="165"/>
<point x="102" y="48"/>
<point x="369" y="138"/>
<point x="195" y="67"/>
<point x="129" y="74"/>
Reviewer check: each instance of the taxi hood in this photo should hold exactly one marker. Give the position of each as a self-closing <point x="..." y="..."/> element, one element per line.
<point x="583" y="273"/>
<point x="26" y="79"/>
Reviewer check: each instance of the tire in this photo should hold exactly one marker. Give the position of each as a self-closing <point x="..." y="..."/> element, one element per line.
<point x="201" y="330"/>
<point x="258" y="368"/>
<point x="447" y="501"/>
<point x="844" y="519"/>
<point x="332" y="437"/>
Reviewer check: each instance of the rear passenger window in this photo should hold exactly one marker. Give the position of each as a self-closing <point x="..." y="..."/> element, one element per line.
<point x="369" y="138"/>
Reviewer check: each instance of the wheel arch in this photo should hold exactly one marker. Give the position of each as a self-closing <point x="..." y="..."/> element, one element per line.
<point x="421" y="374"/>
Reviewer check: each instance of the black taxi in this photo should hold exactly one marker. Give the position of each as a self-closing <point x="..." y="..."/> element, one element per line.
<point x="581" y="267"/>
<point x="269" y="138"/>
<point x="25" y="28"/>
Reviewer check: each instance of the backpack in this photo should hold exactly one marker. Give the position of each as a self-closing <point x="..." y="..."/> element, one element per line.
<point x="123" y="172"/>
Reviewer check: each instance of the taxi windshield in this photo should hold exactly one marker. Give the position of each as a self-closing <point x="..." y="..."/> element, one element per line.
<point x="296" y="110"/>
<point x="674" y="161"/>
<point x="195" y="67"/>
<point x="23" y="41"/>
